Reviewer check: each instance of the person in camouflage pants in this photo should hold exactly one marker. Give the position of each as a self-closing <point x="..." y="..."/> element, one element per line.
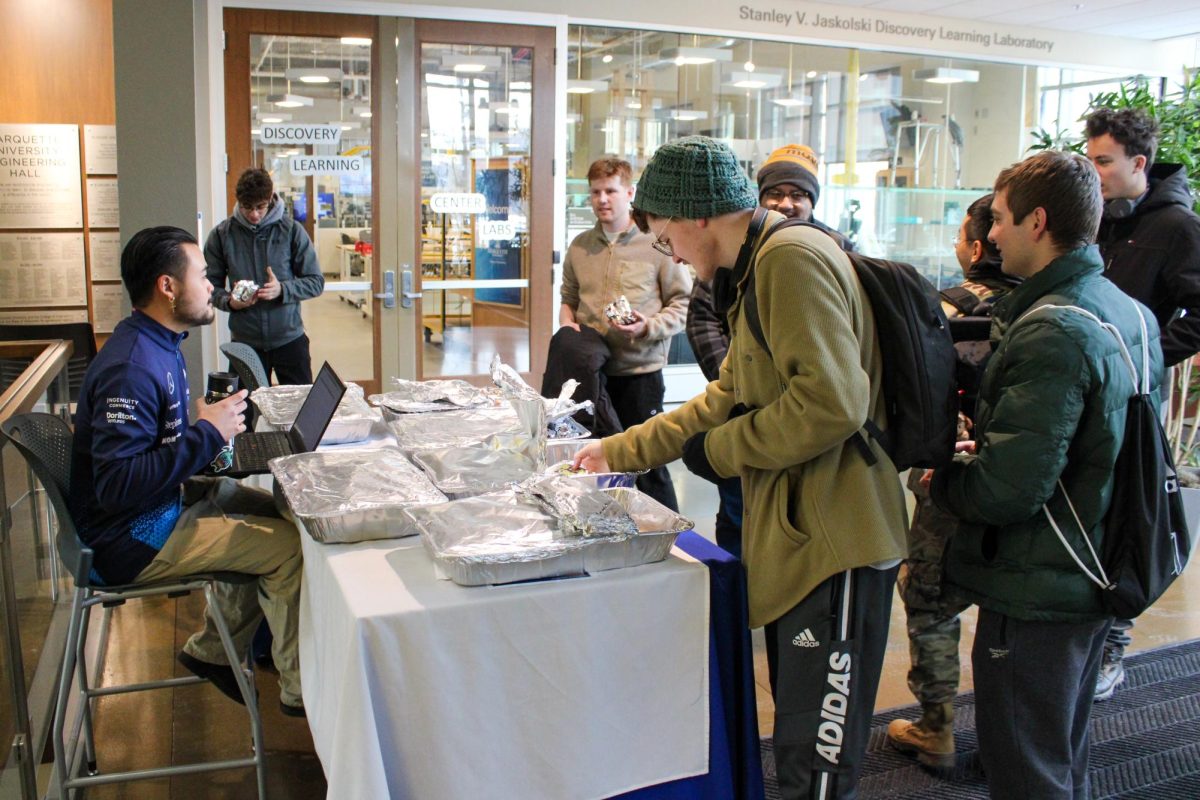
<point x="933" y="617"/>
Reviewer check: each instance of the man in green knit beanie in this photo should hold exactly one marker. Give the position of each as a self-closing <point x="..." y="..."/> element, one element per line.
<point x="823" y="530"/>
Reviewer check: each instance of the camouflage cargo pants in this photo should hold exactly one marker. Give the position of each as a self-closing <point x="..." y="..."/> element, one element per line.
<point x="933" y="625"/>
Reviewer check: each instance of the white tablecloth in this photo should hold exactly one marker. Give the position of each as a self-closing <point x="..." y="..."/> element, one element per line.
<point x="565" y="690"/>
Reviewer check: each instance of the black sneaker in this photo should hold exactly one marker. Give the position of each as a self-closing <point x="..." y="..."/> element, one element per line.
<point x="293" y="711"/>
<point x="1111" y="675"/>
<point x="219" y="675"/>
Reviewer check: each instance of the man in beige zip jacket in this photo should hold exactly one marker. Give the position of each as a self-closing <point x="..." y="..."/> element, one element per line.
<point x="616" y="259"/>
<point x="823" y="531"/>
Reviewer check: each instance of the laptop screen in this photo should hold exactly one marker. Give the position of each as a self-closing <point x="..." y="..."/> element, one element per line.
<point x="318" y="408"/>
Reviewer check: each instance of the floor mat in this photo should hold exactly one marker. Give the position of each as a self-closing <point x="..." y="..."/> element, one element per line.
<point x="1145" y="740"/>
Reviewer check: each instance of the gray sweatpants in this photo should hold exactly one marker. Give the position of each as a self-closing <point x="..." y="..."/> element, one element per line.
<point x="1034" y="683"/>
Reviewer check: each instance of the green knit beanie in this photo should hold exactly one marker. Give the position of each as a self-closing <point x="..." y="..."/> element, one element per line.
<point x="694" y="178"/>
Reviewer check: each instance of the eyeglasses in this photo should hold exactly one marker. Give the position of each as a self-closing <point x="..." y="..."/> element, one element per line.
<point x="778" y="195"/>
<point x="661" y="246"/>
<point x="260" y="207"/>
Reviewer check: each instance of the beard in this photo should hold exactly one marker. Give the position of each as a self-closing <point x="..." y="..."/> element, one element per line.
<point x="194" y="311"/>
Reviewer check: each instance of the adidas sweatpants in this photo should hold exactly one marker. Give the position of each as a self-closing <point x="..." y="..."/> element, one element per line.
<point x="825" y="657"/>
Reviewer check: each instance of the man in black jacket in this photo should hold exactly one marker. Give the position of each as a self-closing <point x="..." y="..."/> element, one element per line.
<point x="1150" y="241"/>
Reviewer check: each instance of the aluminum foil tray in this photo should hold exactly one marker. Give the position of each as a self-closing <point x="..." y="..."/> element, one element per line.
<point x="353" y="495"/>
<point x="497" y="538"/>
<point x="460" y="428"/>
<point x="416" y="397"/>
<point x="460" y="472"/>
<point x="352" y="421"/>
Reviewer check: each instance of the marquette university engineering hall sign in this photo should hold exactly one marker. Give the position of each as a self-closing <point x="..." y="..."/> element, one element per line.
<point x="816" y="22"/>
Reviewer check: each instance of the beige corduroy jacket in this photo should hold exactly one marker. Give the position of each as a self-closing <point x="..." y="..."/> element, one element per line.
<point x="813" y="506"/>
<point x="596" y="272"/>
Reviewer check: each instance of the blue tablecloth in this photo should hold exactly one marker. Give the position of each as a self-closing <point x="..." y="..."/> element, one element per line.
<point x="734" y="765"/>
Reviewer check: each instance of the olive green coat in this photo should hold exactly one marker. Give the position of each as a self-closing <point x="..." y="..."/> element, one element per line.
<point x="813" y="507"/>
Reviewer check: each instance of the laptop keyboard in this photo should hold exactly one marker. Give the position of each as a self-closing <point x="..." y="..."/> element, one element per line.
<point x="255" y="451"/>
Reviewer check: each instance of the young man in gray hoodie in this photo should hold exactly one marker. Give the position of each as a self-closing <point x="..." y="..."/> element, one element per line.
<point x="259" y="242"/>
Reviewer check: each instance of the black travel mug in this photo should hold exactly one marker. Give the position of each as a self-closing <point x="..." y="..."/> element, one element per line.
<point x="220" y="386"/>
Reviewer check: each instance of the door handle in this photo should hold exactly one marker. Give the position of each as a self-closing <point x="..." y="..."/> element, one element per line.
<point x="388" y="295"/>
<point x="407" y="295"/>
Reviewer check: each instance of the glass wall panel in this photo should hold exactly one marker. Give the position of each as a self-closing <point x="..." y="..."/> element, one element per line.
<point x="905" y="142"/>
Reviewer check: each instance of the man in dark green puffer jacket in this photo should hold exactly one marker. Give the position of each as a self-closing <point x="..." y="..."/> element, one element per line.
<point x="1050" y="422"/>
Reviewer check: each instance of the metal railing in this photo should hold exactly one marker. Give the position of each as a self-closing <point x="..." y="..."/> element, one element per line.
<point x="28" y="717"/>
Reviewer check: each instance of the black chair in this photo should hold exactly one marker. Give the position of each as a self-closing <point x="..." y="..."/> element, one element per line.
<point x="45" y="441"/>
<point x="246" y="363"/>
<point x="80" y="334"/>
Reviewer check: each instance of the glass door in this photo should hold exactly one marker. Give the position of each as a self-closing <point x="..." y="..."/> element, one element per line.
<point x="299" y="103"/>
<point x="485" y="201"/>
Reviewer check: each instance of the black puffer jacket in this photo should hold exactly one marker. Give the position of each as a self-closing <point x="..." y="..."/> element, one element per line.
<point x="1154" y="256"/>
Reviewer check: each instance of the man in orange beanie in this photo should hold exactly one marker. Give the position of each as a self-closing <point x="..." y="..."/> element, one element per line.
<point x="787" y="183"/>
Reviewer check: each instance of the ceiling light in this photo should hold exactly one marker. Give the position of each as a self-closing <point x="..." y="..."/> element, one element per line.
<point x="792" y="102"/>
<point x="313" y="74"/>
<point x="289" y="100"/>
<point x="694" y="55"/>
<point x="812" y="73"/>
<point x="607" y="58"/>
<point x="946" y="75"/>
<point x="688" y="115"/>
<point x="463" y="62"/>
<point x="754" y="80"/>
<point x="273" y="118"/>
<point x="359" y="40"/>
<point x="585" y="87"/>
<point x="633" y="104"/>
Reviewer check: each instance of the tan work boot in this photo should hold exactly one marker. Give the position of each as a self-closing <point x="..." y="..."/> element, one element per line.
<point x="931" y="737"/>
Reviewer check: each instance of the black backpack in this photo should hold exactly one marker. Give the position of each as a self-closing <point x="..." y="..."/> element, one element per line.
<point x="919" y="364"/>
<point x="1146" y="543"/>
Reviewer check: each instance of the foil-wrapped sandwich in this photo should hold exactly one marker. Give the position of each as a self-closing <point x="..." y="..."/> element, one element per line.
<point x="620" y="312"/>
<point x="243" y="291"/>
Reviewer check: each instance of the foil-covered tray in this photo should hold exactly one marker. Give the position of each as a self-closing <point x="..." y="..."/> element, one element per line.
<point x="353" y="495"/>
<point x="459" y="428"/>
<point x="416" y="397"/>
<point x="500" y="538"/>
<point x="459" y="472"/>
<point x="352" y="421"/>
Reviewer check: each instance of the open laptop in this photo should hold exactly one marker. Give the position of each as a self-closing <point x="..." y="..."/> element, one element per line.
<point x="252" y="450"/>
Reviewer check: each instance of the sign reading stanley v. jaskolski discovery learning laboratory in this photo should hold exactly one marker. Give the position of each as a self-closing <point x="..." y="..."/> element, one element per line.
<point x="39" y="177"/>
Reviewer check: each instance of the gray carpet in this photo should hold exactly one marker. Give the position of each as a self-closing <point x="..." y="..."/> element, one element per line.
<point x="1145" y="740"/>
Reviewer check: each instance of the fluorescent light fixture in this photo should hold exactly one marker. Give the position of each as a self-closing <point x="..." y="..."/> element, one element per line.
<point x="289" y="100"/>
<point x="462" y="62"/>
<point x="273" y="118"/>
<point x="500" y="106"/>
<point x="359" y="40"/>
<point x="946" y="75"/>
<point x="585" y="87"/>
<point x="792" y="102"/>
<point x="347" y="125"/>
<point x="633" y="104"/>
<point x="255" y="131"/>
<point x="688" y="115"/>
<point x="754" y="80"/>
<point x="607" y="59"/>
<point x="694" y="55"/>
<point x="812" y="73"/>
<point x="313" y="74"/>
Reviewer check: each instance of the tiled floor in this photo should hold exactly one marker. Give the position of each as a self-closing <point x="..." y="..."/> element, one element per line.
<point x="196" y="722"/>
